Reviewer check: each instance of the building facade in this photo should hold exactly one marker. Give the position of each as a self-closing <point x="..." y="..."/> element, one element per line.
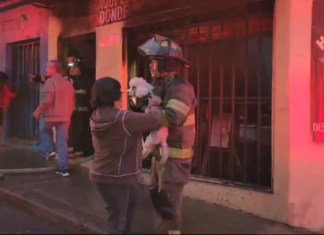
<point x="251" y="69"/>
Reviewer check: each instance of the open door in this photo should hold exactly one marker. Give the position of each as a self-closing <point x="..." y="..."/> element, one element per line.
<point x="83" y="47"/>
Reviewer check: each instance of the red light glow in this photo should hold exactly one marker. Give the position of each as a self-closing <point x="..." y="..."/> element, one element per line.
<point x="110" y="41"/>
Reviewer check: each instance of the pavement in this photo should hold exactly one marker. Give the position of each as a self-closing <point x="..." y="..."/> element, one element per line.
<point x="25" y="157"/>
<point x="19" y="158"/>
<point x="73" y="203"/>
<point x="28" y="224"/>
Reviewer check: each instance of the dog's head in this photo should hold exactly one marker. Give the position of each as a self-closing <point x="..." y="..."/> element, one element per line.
<point x="140" y="88"/>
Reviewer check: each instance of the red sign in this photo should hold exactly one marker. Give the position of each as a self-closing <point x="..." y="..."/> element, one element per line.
<point x="317" y="75"/>
<point x="110" y="11"/>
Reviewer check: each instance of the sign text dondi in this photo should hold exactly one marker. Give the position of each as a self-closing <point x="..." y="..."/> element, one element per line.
<point x="110" y="11"/>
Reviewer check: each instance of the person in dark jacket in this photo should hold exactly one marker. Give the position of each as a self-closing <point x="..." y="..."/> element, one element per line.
<point x="80" y="130"/>
<point x="117" y="140"/>
<point x="167" y="67"/>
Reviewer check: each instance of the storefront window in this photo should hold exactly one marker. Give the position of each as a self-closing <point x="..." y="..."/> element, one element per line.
<point x="231" y="71"/>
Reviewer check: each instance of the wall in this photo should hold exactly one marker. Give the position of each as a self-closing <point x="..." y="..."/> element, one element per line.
<point x="306" y="165"/>
<point x="76" y="26"/>
<point x="14" y="29"/>
<point x="39" y="24"/>
<point x="54" y="31"/>
<point x="110" y="54"/>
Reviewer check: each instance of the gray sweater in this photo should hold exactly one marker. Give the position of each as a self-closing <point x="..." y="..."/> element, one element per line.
<point x="117" y="140"/>
<point x="59" y="100"/>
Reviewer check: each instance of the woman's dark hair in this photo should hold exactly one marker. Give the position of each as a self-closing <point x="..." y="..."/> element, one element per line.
<point x="104" y="92"/>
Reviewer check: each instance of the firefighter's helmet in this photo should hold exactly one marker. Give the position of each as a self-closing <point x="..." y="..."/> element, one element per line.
<point x="72" y="61"/>
<point x="162" y="47"/>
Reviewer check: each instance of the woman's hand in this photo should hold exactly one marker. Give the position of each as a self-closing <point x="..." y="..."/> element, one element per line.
<point x="154" y="101"/>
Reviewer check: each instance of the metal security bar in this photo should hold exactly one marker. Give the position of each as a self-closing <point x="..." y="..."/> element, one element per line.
<point x="25" y="60"/>
<point x="231" y="70"/>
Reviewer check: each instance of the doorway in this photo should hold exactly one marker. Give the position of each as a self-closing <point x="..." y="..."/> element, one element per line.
<point x="82" y="47"/>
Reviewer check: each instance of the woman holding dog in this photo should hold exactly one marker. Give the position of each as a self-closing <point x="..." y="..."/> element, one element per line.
<point x="117" y="140"/>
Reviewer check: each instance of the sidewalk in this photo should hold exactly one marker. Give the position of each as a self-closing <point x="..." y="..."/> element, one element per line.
<point x="73" y="204"/>
<point x="28" y="224"/>
<point x="74" y="200"/>
<point x="24" y="157"/>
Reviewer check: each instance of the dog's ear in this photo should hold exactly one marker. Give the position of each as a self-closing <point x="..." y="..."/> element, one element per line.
<point x="141" y="91"/>
<point x="133" y="81"/>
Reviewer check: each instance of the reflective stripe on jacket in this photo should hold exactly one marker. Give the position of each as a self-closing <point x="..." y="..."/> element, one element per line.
<point x="179" y="104"/>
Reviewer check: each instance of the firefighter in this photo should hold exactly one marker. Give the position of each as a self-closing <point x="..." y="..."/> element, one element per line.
<point x="167" y="67"/>
<point x="80" y="128"/>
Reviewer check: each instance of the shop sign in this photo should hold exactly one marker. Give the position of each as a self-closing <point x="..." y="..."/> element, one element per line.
<point x="317" y="74"/>
<point x="110" y="11"/>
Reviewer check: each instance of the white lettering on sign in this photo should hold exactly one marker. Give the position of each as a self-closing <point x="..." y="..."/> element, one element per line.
<point x="104" y="4"/>
<point x="318" y="127"/>
<point x="320" y="42"/>
<point x="110" y="11"/>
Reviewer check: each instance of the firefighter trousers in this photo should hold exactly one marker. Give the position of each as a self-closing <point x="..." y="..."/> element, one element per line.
<point x="172" y="178"/>
<point x="81" y="133"/>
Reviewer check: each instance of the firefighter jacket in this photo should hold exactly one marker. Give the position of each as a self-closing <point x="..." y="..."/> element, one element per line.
<point x="82" y="88"/>
<point x="178" y="103"/>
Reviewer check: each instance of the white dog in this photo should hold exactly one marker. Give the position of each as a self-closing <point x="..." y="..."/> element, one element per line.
<point x="139" y="88"/>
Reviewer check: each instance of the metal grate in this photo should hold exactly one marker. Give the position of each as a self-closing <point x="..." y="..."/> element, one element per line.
<point x="231" y="70"/>
<point x="25" y="60"/>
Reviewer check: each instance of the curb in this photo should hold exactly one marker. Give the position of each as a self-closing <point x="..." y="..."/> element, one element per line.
<point x="40" y="170"/>
<point x="69" y="224"/>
